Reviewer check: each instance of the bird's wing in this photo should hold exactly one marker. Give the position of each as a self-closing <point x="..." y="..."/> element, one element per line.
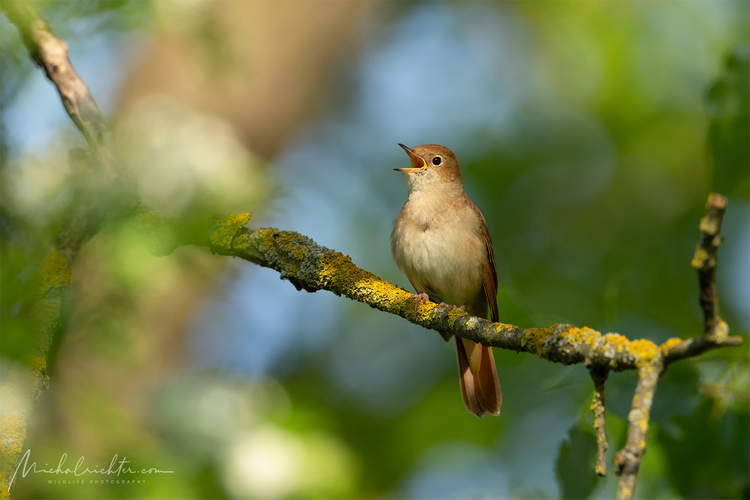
<point x="490" y="273"/>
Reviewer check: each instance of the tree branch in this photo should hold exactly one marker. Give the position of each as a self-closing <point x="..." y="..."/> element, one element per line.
<point x="628" y="460"/>
<point x="704" y="261"/>
<point x="51" y="54"/>
<point x="599" y="409"/>
<point x="676" y="349"/>
<point x="715" y="329"/>
<point x="94" y="205"/>
<point x="312" y="267"/>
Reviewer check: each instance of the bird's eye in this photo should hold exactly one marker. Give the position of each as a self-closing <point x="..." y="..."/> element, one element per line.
<point x="437" y="160"/>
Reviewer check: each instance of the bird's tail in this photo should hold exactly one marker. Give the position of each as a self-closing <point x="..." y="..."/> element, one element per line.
<point x="480" y="387"/>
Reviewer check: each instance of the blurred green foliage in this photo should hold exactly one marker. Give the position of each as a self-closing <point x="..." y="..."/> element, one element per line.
<point x="713" y="436"/>
<point x="728" y="109"/>
<point x="575" y="464"/>
<point x="592" y="188"/>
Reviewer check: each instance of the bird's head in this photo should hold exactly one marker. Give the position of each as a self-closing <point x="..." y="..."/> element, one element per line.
<point x="432" y="167"/>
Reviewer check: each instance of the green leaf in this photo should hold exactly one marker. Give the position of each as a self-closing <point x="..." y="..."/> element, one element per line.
<point x="575" y="464"/>
<point x="708" y="454"/>
<point x="677" y="393"/>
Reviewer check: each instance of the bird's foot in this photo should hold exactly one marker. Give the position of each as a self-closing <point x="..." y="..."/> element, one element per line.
<point x="421" y="297"/>
<point x="450" y="307"/>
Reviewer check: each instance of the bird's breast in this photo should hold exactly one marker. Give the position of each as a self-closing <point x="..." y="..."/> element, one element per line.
<point x="441" y="252"/>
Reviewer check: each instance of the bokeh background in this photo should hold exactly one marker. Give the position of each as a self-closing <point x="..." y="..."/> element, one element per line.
<point x="589" y="134"/>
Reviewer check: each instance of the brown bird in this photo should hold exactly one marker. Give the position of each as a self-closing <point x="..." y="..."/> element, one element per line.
<point x="441" y="242"/>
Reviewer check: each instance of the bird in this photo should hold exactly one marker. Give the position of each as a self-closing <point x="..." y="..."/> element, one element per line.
<point x="441" y="242"/>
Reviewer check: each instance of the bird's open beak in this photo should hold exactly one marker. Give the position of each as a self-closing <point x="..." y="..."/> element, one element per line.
<point x="417" y="162"/>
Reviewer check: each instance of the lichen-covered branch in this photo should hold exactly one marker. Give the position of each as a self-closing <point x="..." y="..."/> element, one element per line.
<point x="704" y="261"/>
<point x="689" y="348"/>
<point x="715" y="329"/>
<point x="628" y="460"/>
<point x="599" y="409"/>
<point x="312" y="267"/>
<point x="26" y="383"/>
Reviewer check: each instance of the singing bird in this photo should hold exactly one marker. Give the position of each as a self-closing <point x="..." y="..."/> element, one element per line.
<point x="441" y="242"/>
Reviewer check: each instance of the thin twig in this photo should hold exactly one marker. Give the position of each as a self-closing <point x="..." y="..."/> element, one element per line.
<point x="676" y="349"/>
<point x="51" y="54"/>
<point x="598" y="407"/>
<point x="705" y="261"/>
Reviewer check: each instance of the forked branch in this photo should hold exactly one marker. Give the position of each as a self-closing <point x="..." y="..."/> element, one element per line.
<point x="715" y="333"/>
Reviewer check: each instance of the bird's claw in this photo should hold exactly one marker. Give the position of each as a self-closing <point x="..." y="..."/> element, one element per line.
<point x="450" y="307"/>
<point x="422" y="297"/>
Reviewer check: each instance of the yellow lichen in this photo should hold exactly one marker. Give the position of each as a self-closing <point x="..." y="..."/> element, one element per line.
<point x="700" y="258"/>
<point x="39" y="364"/>
<point x="454" y="314"/>
<point x="643" y="350"/>
<point x="615" y="339"/>
<point x="643" y="424"/>
<point x="265" y="238"/>
<point x="571" y="334"/>
<point x="381" y="291"/>
<point x="289" y="243"/>
<point x="670" y="343"/>
<point x="721" y="331"/>
<point x="55" y="271"/>
<point x="581" y="336"/>
<point x="228" y="228"/>
<point x="708" y="225"/>
<point x="298" y="251"/>
<point x="535" y="339"/>
<point x="13" y="428"/>
<point x="338" y="272"/>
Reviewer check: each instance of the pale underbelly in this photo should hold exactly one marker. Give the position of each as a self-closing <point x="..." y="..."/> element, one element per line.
<point x="449" y="268"/>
